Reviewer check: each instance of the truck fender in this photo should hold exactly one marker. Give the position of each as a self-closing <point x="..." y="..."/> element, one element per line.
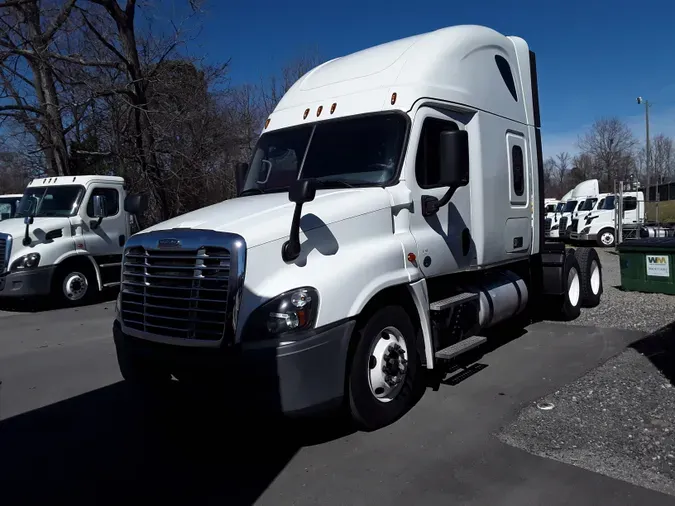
<point x="74" y="254"/>
<point x="420" y="295"/>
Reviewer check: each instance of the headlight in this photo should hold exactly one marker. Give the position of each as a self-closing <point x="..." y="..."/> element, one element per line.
<point x="585" y="230"/>
<point x="29" y="261"/>
<point x="291" y="311"/>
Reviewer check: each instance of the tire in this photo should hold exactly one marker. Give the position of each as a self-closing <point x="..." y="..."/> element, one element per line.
<point x="75" y="284"/>
<point x="387" y="327"/>
<point x="590" y="269"/>
<point x="571" y="299"/>
<point x="606" y="238"/>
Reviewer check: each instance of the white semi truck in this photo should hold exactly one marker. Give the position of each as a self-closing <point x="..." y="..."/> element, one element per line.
<point x="391" y="210"/>
<point x="600" y="225"/>
<point x="66" y="238"/>
<point x="8" y="205"/>
<point x="552" y="223"/>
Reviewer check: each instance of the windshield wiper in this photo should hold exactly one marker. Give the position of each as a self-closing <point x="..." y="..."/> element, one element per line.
<point x="333" y="183"/>
<point x="251" y="191"/>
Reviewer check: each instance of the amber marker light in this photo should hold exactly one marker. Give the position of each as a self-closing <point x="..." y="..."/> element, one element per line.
<point x="393" y="98"/>
<point x="304" y="116"/>
<point x="332" y="107"/>
<point x="267" y="123"/>
<point x="318" y="111"/>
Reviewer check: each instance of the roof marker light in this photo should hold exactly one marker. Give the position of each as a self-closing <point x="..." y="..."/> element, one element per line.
<point x="318" y="111"/>
<point x="304" y="116"/>
<point x="332" y="107"/>
<point x="267" y="123"/>
<point x="393" y="98"/>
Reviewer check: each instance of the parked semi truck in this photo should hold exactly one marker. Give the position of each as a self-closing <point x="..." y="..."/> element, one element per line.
<point x="392" y="209"/>
<point x="8" y="205"/>
<point x="600" y="225"/>
<point x="66" y="238"/>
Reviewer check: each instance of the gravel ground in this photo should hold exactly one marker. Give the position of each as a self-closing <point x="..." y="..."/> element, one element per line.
<point x="619" y="419"/>
<point x="626" y="310"/>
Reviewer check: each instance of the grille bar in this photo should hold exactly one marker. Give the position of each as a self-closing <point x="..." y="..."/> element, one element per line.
<point x="180" y="293"/>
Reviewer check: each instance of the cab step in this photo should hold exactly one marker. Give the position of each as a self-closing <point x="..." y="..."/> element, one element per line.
<point x="461" y="347"/>
<point x="460" y="298"/>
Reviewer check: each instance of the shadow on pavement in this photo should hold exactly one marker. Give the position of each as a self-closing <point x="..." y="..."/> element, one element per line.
<point x="659" y="348"/>
<point x="107" y="447"/>
<point x="39" y="304"/>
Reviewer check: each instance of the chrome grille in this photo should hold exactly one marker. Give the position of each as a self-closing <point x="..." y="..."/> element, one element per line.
<point x="547" y="226"/>
<point x="563" y="225"/>
<point x="5" y="246"/>
<point x="178" y="293"/>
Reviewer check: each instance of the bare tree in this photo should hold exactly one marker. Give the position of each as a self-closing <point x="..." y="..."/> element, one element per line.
<point x="663" y="159"/>
<point x="611" y="145"/>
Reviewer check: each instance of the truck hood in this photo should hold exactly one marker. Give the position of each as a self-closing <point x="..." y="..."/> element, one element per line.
<point x="16" y="227"/>
<point x="264" y="218"/>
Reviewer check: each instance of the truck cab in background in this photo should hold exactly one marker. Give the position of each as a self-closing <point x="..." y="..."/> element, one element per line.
<point x="392" y="211"/>
<point x="600" y="225"/>
<point x="585" y="190"/>
<point x="8" y="205"/>
<point x="66" y="238"/>
<point x="552" y="223"/>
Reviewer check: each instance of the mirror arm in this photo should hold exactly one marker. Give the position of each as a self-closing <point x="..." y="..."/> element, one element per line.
<point x="431" y="205"/>
<point x="291" y="248"/>
<point x="26" y="238"/>
<point x="95" y="224"/>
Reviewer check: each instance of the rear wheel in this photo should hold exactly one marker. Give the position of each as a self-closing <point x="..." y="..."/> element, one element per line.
<point x="591" y="276"/>
<point x="606" y="238"/>
<point x="384" y="369"/>
<point x="571" y="298"/>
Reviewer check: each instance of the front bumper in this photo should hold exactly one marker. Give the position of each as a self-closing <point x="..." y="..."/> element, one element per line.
<point x="27" y="283"/>
<point x="293" y="378"/>
<point x="582" y="237"/>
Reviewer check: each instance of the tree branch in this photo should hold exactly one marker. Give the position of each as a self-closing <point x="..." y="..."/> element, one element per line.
<point x="58" y="20"/>
<point x="17" y="107"/>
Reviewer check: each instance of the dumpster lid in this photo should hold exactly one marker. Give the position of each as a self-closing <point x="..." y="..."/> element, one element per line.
<point x="647" y="243"/>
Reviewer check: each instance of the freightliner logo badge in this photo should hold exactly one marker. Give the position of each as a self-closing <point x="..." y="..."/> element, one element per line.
<point x="168" y="243"/>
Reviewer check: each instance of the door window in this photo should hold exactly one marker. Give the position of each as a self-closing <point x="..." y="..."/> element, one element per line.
<point x="427" y="163"/>
<point x="112" y="201"/>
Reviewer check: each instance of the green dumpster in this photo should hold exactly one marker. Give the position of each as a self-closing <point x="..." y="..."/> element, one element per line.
<point x="648" y="265"/>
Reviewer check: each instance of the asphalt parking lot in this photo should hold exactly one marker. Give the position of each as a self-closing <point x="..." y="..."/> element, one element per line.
<point x="70" y="431"/>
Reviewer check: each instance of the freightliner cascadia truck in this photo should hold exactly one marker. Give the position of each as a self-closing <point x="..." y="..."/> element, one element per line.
<point x="392" y="210"/>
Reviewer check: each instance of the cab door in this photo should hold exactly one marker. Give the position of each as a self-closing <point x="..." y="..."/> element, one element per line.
<point x="107" y="238"/>
<point x="443" y="239"/>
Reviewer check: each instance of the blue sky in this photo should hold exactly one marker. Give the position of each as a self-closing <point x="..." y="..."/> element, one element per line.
<point x="594" y="56"/>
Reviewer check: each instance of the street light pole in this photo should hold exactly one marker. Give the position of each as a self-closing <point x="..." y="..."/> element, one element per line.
<point x="647" y="147"/>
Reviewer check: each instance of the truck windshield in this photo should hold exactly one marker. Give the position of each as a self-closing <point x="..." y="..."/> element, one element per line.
<point x="8" y="207"/>
<point x="560" y="207"/>
<point x="570" y="206"/>
<point x="608" y="203"/>
<point x="52" y="201"/>
<point x="588" y="205"/>
<point x="350" y="152"/>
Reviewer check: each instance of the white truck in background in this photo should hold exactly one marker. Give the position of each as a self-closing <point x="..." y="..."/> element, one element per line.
<point x="550" y="206"/>
<point x="66" y="238"/>
<point x="552" y="223"/>
<point x="8" y="205"/>
<point x="600" y="225"/>
<point x="585" y="190"/>
<point x="375" y="234"/>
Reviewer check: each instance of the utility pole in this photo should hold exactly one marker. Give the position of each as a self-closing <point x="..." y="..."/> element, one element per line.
<point x="647" y="148"/>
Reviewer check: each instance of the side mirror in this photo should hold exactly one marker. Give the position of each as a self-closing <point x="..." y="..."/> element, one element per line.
<point x="240" y="171"/>
<point x="136" y="204"/>
<point x="302" y="190"/>
<point x="454" y="158"/>
<point x="453" y="168"/>
<point x="100" y="208"/>
<point x="27" y="206"/>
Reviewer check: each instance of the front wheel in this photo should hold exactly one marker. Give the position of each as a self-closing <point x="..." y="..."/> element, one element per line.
<point x="606" y="238"/>
<point x="75" y="284"/>
<point x="571" y="298"/>
<point x="384" y="369"/>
